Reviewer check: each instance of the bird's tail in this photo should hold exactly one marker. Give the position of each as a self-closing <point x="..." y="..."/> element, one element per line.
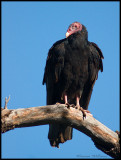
<point x="59" y="134"/>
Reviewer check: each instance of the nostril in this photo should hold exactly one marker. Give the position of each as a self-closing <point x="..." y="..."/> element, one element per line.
<point x="76" y="27"/>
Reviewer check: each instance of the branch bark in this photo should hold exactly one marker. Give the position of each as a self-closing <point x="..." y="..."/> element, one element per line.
<point x="104" y="139"/>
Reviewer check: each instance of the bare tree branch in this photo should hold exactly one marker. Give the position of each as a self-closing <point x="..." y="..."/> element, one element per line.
<point x="103" y="138"/>
<point x="6" y="102"/>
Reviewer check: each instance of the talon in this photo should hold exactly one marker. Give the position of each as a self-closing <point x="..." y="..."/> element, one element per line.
<point x="88" y="112"/>
<point x="83" y="112"/>
<point x="76" y="107"/>
<point x="72" y="105"/>
<point x="68" y="105"/>
<point x="81" y="109"/>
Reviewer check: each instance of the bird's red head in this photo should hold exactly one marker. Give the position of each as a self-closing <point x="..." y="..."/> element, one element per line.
<point x="74" y="27"/>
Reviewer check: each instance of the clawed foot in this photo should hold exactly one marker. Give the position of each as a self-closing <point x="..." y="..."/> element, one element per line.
<point x="83" y="111"/>
<point x="69" y="105"/>
<point x="80" y="108"/>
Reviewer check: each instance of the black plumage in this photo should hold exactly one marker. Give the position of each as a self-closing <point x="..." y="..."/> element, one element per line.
<point x="71" y="70"/>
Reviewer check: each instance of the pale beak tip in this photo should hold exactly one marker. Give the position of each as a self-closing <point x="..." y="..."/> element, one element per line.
<point x="67" y="34"/>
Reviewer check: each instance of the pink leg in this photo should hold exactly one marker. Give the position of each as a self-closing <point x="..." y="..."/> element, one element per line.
<point x="65" y="99"/>
<point x="80" y="108"/>
<point x="77" y="101"/>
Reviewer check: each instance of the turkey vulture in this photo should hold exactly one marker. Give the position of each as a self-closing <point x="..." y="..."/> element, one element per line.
<point x="71" y="70"/>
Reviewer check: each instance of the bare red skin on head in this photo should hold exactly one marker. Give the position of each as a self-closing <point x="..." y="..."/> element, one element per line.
<point x="74" y="27"/>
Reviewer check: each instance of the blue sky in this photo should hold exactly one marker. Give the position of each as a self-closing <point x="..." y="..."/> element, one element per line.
<point x="29" y="29"/>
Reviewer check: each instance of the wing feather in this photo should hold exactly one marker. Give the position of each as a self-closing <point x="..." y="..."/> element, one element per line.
<point x="53" y="68"/>
<point x="94" y="65"/>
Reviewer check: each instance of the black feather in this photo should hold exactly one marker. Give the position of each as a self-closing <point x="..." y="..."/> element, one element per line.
<point x="72" y="67"/>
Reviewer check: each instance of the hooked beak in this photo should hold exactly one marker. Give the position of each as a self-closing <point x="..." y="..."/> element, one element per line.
<point x="67" y="34"/>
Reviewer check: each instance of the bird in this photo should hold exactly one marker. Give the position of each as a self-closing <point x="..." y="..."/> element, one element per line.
<point x="71" y="70"/>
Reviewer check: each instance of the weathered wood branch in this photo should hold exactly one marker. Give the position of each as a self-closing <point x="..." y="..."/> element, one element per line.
<point x="103" y="138"/>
